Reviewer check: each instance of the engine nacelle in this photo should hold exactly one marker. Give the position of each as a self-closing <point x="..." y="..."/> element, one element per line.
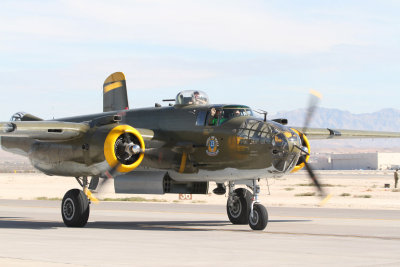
<point x="119" y="148"/>
<point x="124" y="148"/>
<point x="305" y="143"/>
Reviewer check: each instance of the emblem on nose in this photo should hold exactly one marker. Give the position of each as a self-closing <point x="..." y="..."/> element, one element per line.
<point x="212" y="145"/>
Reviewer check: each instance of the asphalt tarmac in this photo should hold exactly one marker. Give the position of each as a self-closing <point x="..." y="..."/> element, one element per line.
<point x="162" y="234"/>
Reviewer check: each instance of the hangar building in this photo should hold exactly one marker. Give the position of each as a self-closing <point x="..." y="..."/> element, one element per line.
<point x="357" y="161"/>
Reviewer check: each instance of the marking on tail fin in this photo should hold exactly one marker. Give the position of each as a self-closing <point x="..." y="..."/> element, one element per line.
<point x="115" y="77"/>
<point x="112" y="86"/>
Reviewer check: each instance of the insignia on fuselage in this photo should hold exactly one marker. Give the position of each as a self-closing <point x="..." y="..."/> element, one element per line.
<point x="212" y="146"/>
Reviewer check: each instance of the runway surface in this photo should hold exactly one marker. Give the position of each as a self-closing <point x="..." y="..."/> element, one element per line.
<point x="160" y="234"/>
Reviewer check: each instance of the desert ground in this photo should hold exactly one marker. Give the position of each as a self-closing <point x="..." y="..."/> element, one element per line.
<point x="349" y="189"/>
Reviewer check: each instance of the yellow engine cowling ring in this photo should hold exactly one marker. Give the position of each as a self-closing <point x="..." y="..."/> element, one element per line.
<point x="305" y="142"/>
<point x="109" y="148"/>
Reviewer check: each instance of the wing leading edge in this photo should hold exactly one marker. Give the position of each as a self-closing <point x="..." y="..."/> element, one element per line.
<point x="43" y="130"/>
<point x="326" y="133"/>
<point x="52" y="130"/>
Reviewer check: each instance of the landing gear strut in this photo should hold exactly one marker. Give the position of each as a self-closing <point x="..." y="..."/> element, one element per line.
<point x="75" y="207"/>
<point x="243" y="207"/>
<point x="258" y="217"/>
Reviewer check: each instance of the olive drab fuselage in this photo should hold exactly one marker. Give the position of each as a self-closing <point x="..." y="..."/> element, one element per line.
<point x="184" y="142"/>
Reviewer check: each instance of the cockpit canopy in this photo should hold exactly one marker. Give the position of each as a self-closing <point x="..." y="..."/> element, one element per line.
<point x="191" y="97"/>
<point x="219" y="114"/>
<point x="230" y="111"/>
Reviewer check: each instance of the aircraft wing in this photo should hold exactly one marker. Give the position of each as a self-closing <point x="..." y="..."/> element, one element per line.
<point x="52" y="130"/>
<point x="43" y="130"/>
<point x="326" y="133"/>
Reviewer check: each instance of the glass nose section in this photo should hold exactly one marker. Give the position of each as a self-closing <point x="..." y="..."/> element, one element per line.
<point x="283" y="156"/>
<point x="280" y="152"/>
<point x="273" y="144"/>
<point x="254" y="132"/>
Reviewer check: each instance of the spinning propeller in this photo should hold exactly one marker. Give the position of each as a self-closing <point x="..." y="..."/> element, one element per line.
<point x="312" y="106"/>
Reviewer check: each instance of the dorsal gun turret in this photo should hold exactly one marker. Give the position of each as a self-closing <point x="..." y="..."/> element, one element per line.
<point x="191" y="97"/>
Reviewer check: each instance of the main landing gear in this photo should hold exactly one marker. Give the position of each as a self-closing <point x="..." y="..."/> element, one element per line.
<point x="75" y="206"/>
<point x="243" y="207"/>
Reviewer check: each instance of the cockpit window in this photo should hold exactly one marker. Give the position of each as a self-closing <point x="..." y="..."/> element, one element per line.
<point x="213" y="117"/>
<point x="217" y="115"/>
<point x="229" y="112"/>
<point x="191" y="97"/>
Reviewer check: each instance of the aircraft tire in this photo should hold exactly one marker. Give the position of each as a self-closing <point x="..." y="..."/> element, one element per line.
<point x="259" y="220"/>
<point x="75" y="208"/>
<point x="239" y="213"/>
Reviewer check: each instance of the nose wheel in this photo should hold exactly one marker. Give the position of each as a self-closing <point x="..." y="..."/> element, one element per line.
<point x="258" y="219"/>
<point x="243" y="207"/>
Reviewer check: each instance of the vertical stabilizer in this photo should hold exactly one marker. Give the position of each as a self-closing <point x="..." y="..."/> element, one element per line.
<point x="115" y="96"/>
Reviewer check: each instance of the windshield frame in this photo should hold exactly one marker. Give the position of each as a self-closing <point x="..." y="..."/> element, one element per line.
<point x="224" y="116"/>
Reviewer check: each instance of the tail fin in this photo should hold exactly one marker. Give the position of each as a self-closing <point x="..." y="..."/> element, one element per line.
<point x="115" y="96"/>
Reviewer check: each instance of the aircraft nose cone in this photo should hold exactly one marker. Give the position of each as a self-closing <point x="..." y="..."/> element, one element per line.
<point x="285" y="150"/>
<point x="280" y="151"/>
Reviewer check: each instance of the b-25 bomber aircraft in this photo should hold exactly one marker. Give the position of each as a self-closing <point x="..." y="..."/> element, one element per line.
<point x="178" y="148"/>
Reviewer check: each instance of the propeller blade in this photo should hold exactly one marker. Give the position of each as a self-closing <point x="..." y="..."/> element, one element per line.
<point x="314" y="99"/>
<point x="312" y="105"/>
<point x="90" y="196"/>
<point x="104" y="182"/>
<point x="313" y="177"/>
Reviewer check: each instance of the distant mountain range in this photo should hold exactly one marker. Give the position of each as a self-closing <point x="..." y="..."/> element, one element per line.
<point x="382" y="120"/>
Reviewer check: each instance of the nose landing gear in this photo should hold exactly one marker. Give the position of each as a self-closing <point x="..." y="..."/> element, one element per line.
<point x="243" y="207"/>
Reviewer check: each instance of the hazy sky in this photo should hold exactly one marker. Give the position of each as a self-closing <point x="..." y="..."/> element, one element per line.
<point x="55" y="55"/>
